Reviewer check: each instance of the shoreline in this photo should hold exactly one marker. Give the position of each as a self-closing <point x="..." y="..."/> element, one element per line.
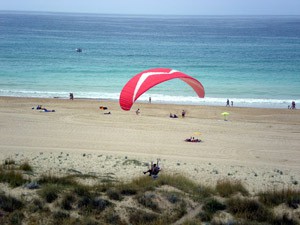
<point x="163" y="102"/>
<point x="257" y="146"/>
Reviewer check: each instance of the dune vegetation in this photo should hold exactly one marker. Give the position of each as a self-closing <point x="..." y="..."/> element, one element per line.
<point x="170" y="199"/>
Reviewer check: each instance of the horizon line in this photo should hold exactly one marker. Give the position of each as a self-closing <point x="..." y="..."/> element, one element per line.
<point x="146" y="14"/>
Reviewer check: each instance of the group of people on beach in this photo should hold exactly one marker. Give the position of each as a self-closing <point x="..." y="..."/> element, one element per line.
<point x="192" y="139"/>
<point x="175" y="116"/>
<point x="227" y="103"/>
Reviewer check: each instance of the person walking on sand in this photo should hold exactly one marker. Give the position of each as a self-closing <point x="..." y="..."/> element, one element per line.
<point x="137" y="112"/>
<point x="227" y="103"/>
<point x="150" y="100"/>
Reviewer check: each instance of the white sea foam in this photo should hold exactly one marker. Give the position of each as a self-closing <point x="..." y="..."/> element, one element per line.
<point x="238" y="102"/>
<point x="159" y="98"/>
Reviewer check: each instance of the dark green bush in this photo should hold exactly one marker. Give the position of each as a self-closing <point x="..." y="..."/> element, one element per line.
<point x="140" y="217"/>
<point x="89" y="221"/>
<point x="82" y="190"/>
<point x="67" y="201"/>
<point x="100" y="204"/>
<point x="50" y="192"/>
<point x="26" y="167"/>
<point x="60" y="217"/>
<point x="9" y="204"/>
<point x="9" y="162"/>
<point x="212" y="206"/>
<point x="84" y="202"/>
<point x="93" y="204"/>
<point x="16" y="218"/>
<point x="13" y="178"/>
<point x="192" y="222"/>
<point x="147" y="200"/>
<point x="114" y="194"/>
<point x="127" y="189"/>
<point x="277" y="197"/>
<point x="111" y="217"/>
<point x="36" y="205"/>
<point x="249" y="209"/>
<point x="284" y="220"/>
<point x="181" y="210"/>
<point x="173" y="198"/>
<point x="205" y="216"/>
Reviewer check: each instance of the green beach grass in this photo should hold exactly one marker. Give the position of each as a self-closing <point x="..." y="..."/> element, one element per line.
<point x="170" y="199"/>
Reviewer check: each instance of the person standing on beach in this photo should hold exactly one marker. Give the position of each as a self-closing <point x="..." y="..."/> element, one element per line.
<point x="227" y="103"/>
<point x="71" y="96"/>
<point x="150" y="100"/>
<point x="183" y="114"/>
<point x="231" y="103"/>
<point x="137" y="112"/>
<point x="293" y="105"/>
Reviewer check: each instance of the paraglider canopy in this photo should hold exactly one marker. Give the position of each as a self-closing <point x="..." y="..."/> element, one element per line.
<point x="147" y="79"/>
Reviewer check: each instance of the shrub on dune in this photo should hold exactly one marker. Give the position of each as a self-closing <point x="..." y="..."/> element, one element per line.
<point x="9" y="203"/>
<point x="227" y="188"/>
<point x="13" y="178"/>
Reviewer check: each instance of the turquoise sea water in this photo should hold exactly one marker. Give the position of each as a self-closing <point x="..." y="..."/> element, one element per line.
<point x="252" y="60"/>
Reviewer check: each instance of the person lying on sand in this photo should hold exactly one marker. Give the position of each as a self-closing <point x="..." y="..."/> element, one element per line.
<point x="46" y="110"/>
<point x="173" y="115"/>
<point x="39" y="107"/>
<point x="192" y="139"/>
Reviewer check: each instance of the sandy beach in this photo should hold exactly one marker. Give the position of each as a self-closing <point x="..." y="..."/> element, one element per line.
<point x="260" y="147"/>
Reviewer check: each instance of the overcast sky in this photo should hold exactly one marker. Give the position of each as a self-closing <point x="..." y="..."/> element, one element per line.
<point x="161" y="7"/>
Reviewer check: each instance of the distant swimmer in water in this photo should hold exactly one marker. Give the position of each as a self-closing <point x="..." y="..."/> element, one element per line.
<point x="78" y="50"/>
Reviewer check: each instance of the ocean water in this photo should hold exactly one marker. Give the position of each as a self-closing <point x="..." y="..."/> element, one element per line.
<point x="252" y="60"/>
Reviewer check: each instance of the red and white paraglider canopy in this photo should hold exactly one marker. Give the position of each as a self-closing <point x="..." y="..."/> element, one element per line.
<point x="147" y="79"/>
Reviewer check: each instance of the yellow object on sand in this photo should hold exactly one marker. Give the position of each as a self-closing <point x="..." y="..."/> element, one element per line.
<point x="225" y="114"/>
